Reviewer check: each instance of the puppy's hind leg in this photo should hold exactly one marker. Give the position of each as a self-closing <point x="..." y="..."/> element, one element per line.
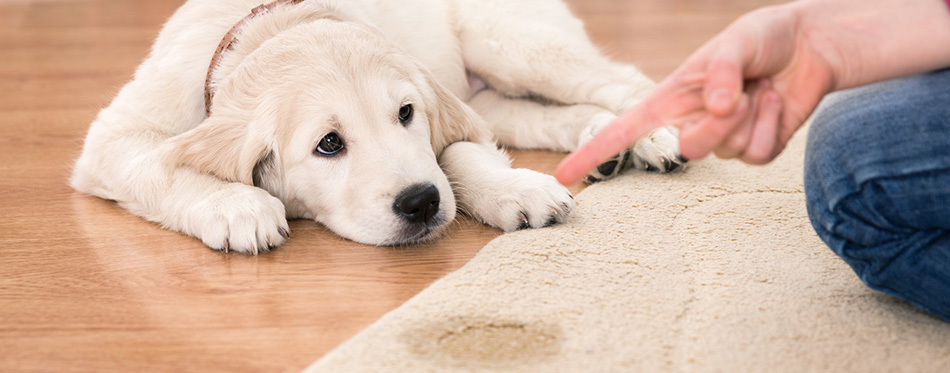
<point x="529" y="124"/>
<point x="538" y="49"/>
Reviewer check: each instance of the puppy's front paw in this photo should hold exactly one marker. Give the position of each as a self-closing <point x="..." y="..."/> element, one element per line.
<point x="522" y="199"/>
<point x="240" y="218"/>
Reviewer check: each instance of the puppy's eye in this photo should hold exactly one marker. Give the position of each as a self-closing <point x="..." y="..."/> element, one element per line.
<point x="405" y="114"/>
<point x="330" y="145"/>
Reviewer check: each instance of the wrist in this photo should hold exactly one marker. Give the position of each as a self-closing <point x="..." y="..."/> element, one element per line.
<point x="875" y="40"/>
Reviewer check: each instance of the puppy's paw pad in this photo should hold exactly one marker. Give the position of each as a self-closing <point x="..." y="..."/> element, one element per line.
<point x="609" y="169"/>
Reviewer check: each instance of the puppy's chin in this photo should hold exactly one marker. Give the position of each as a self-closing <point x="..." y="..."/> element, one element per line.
<point x="413" y="233"/>
<point x="398" y="233"/>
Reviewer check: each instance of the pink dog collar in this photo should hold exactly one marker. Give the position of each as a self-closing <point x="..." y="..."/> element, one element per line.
<point x="229" y="39"/>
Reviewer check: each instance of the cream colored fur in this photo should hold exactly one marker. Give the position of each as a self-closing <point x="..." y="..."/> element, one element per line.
<point x="301" y="72"/>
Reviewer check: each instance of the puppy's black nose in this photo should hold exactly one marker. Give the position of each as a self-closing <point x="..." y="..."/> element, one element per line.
<point x="418" y="203"/>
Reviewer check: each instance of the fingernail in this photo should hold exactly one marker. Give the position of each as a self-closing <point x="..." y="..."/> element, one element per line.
<point x="720" y="96"/>
<point x="722" y="101"/>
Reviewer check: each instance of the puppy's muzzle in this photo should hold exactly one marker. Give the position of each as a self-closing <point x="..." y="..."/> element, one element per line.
<point x="418" y="203"/>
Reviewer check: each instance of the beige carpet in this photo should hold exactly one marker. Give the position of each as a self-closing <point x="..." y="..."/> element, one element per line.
<point x="712" y="269"/>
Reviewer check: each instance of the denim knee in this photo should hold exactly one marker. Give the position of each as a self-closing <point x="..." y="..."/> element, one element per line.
<point x="846" y="213"/>
<point x="877" y="172"/>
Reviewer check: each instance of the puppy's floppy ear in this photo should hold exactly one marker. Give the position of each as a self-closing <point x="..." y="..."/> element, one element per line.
<point x="219" y="147"/>
<point x="451" y="120"/>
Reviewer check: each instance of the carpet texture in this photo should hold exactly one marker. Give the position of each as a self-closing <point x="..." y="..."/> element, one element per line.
<point x="712" y="269"/>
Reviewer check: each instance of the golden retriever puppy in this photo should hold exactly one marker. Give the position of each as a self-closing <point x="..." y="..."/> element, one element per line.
<point x="378" y="119"/>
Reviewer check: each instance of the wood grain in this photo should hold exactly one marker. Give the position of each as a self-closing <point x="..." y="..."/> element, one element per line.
<point x="85" y="286"/>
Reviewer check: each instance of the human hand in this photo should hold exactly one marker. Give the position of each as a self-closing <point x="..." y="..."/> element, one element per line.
<point x="745" y="92"/>
<point x="717" y="102"/>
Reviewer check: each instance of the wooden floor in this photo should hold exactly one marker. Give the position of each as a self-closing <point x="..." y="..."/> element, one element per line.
<point x="85" y="286"/>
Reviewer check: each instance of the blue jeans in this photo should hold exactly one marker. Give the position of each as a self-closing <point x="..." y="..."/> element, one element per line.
<point x="877" y="183"/>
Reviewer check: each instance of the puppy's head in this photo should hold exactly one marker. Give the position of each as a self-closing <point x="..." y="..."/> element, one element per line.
<point x="340" y="125"/>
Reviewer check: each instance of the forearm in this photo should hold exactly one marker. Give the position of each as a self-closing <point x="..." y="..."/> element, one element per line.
<point x="866" y="41"/>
